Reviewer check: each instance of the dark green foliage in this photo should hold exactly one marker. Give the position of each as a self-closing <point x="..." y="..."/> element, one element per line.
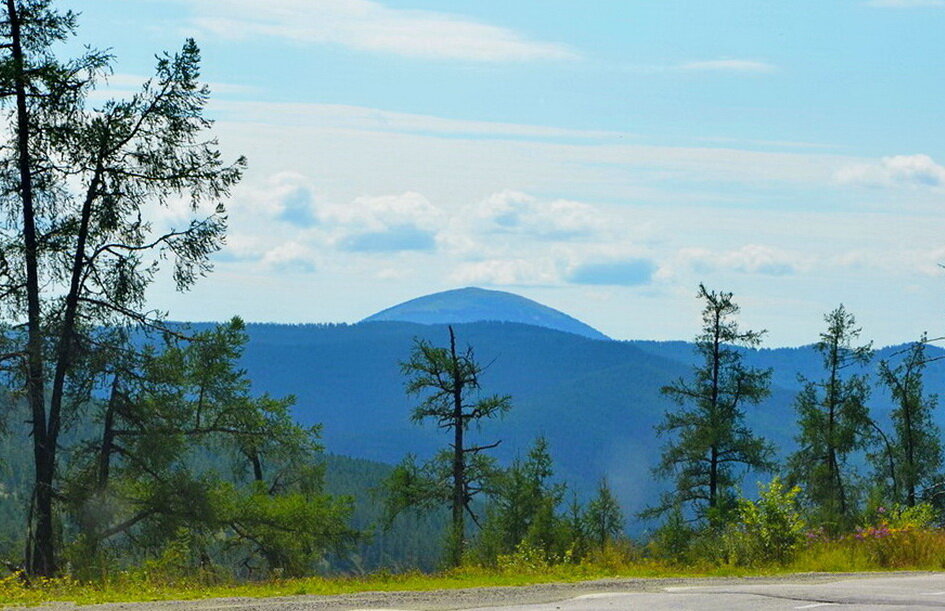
<point x="603" y="517"/>
<point x="913" y="460"/>
<point x="290" y="531"/>
<point x="672" y="540"/>
<point x="140" y="482"/>
<point x="525" y="520"/>
<point x="78" y="250"/>
<point x="596" y="402"/>
<point x="710" y="439"/>
<point x="411" y="541"/>
<point x="522" y="510"/>
<point x="412" y="485"/>
<point x="447" y="381"/>
<point x="834" y="422"/>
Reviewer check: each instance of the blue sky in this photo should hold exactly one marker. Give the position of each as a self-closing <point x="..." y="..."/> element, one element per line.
<point x="603" y="157"/>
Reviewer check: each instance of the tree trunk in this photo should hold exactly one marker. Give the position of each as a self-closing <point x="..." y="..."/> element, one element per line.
<point x="108" y="439"/>
<point x="257" y="464"/>
<point x="41" y="558"/>
<point x="910" y="470"/>
<point x="459" y="462"/>
<point x="713" y="476"/>
<point x="714" y="454"/>
<point x="833" y="403"/>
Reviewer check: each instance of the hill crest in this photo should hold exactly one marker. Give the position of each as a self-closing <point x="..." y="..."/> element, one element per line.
<point x="473" y="304"/>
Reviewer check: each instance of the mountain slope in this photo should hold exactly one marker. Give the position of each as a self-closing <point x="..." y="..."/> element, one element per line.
<point x="595" y="401"/>
<point x="475" y="305"/>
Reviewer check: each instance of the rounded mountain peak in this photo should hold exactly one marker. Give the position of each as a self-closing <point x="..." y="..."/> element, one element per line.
<point x="472" y="304"/>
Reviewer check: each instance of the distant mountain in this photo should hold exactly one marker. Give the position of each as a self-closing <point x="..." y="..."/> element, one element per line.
<point x="473" y="304"/>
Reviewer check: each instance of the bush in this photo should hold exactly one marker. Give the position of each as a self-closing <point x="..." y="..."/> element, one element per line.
<point x="769" y="530"/>
<point x="526" y="559"/>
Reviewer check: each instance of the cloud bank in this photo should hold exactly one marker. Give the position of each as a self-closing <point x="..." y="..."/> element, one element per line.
<point x="912" y="171"/>
<point x="370" y="26"/>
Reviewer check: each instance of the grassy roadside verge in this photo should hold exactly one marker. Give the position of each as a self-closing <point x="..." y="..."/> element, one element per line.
<point x="866" y="550"/>
<point x="140" y="588"/>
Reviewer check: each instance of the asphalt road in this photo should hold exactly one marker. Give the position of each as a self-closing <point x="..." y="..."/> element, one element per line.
<point x="888" y="592"/>
<point x="811" y="591"/>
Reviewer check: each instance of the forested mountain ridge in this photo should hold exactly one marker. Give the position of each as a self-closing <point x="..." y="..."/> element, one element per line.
<point x="597" y="402"/>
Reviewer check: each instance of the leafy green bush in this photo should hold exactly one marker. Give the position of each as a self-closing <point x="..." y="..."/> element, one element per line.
<point x="769" y="530"/>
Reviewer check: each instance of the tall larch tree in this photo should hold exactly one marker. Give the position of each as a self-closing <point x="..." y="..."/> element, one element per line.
<point x="447" y="381"/>
<point x="834" y="421"/>
<point x="916" y="445"/>
<point x="708" y="438"/>
<point x="80" y="240"/>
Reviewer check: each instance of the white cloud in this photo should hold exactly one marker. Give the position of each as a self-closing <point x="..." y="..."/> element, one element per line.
<point x="759" y="259"/>
<point x="748" y="259"/>
<point x="347" y="152"/>
<point x="370" y="26"/>
<point x="124" y="85"/>
<point x="853" y="259"/>
<point x="508" y="272"/>
<point x="626" y="272"/>
<point x="892" y="261"/>
<point x="520" y="213"/>
<point x="728" y="65"/>
<point x="905" y="3"/>
<point x="290" y="257"/>
<point x="283" y="195"/>
<point x="381" y="224"/>
<point x="914" y="171"/>
<point x="242" y="246"/>
<point x="346" y="117"/>
<point x="930" y="262"/>
<point x="380" y="213"/>
<point x="279" y="223"/>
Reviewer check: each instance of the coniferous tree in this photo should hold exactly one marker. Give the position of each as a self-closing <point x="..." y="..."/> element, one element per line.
<point x="447" y="381"/>
<point x="522" y="509"/>
<point x="603" y="517"/>
<point x="709" y="436"/>
<point x="915" y="444"/>
<point x="77" y="250"/>
<point x="143" y="480"/>
<point x="834" y="421"/>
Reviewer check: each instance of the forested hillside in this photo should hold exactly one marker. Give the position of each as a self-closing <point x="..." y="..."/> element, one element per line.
<point x="596" y="401"/>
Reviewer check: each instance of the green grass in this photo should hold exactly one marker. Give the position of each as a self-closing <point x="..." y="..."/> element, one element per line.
<point x="138" y="587"/>
<point x="134" y="588"/>
<point x="904" y="549"/>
